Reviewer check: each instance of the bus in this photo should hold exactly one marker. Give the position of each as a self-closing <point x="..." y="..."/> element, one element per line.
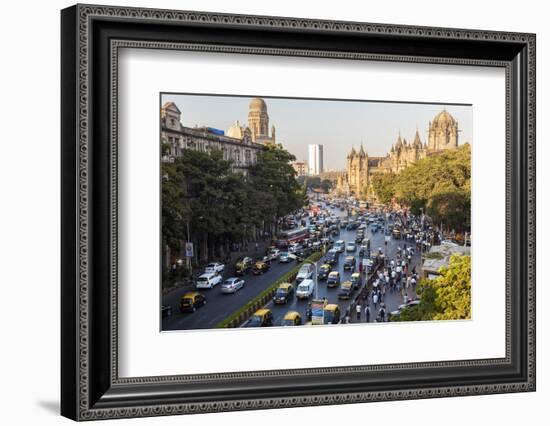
<point x="285" y="238"/>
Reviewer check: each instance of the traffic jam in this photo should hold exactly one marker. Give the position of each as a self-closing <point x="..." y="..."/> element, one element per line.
<point x="362" y="276"/>
<point x="368" y="269"/>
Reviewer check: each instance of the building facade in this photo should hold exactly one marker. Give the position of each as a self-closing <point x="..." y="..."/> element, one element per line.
<point x="300" y="167"/>
<point x="442" y="135"/>
<point x="315" y="159"/>
<point x="240" y="144"/>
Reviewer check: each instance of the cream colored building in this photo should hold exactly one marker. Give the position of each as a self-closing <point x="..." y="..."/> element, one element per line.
<point x="442" y="134"/>
<point x="239" y="144"/>
<point x="300" y="167"/>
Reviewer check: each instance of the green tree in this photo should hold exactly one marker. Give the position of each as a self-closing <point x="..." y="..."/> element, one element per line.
<point x="275" y="178"/>
<point x="383" y="186"/>
<point x="200" y="191"/>
<point x="326" y="185"/>
<point x="174" y="211"/>
<point x="451" y="207"/>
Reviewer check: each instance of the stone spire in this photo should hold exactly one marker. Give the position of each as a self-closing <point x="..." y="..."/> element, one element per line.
<point x="362" y="151"/>
<point x="399" y="143"/>
<point x="417" y="143"/>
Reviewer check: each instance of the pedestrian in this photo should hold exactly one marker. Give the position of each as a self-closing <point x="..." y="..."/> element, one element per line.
<point x="375" y="299"/>
<point x="413" y="282"/>
<point x="360" y="267"/>
<point x="358" y="311"/>
<point x="257" y="246"/>
<point x="382" y="314"/>
<point x="367" y="313"/>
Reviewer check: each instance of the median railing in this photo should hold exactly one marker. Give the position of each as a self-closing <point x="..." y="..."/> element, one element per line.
<point x="245" y="312"/>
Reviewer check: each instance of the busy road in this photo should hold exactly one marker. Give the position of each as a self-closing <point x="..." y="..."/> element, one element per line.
<point x="220" y="305"/>
<point x="392" y="299"/>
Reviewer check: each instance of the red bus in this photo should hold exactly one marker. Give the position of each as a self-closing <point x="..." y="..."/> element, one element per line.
<point x="286" y="238"/>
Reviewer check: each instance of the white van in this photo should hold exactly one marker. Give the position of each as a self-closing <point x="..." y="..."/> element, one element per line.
<point x="305" y="289"/>
<point x="208" y="280"/>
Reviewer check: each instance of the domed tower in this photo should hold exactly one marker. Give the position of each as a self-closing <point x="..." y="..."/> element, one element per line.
<point x="258" y="120"/>
<point x="443" y="132"/>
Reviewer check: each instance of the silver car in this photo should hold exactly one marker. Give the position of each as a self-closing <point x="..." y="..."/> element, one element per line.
<point x="231" y="285"/>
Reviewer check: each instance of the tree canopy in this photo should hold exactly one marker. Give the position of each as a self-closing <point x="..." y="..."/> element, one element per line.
<point x="200" y="190"/>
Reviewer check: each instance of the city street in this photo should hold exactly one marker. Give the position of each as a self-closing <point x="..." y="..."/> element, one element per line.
<point x="392" y="300"/>
<point x="220" y="305"/>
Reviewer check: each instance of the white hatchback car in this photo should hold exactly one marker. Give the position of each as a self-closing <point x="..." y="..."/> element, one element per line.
<point x="208" y="280"/>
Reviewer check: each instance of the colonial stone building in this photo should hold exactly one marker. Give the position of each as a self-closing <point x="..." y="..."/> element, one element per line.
<point x="240" y="144"/>
<point x="442" y="134"/>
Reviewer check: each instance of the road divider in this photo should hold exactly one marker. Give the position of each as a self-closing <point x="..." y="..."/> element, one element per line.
<point x="244" y="313"/>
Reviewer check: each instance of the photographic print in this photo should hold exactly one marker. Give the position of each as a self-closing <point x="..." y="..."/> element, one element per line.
<point x="282" y="212"/>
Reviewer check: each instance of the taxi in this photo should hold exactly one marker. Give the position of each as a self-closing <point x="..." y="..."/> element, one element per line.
<point x="261" y="318"/>
<point x="243" y="266"/>
<point x="346" y="290"/>
<point x="283" y="293"/>
<point x="324" y="270"/>
<point x="333" y="279"/>
<point x="260" y="267"/>
<point x="331" y="314"/>
<point x="292" y="318"/>
<point x="356" y="280"/>
<point x="190" y="302"/>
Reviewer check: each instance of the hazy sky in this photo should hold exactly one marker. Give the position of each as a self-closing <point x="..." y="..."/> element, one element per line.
<point x="337" y="125"/>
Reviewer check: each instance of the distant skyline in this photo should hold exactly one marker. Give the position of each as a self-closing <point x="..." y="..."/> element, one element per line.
<point x="337" y="125"/>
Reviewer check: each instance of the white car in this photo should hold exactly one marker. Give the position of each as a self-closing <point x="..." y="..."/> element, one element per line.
<point x="351" y="247"/>
<point x="214" y="268"/>
<point x="293" y="248"/>
<point x="305" y="289"/>
<point x="339" y="246"/>
<point x="305" y="272"/>
<point x="275" y="252"/>
<point x="208" y="280"/>
<point x="231" y="285"/>
<point x="409" y="304"/>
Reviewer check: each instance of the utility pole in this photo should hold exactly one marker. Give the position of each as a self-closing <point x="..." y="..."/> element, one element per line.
<point x="189" y="263"/>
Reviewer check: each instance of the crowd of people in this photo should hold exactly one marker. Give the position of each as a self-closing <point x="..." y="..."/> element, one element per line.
<point x="395" y="276"/>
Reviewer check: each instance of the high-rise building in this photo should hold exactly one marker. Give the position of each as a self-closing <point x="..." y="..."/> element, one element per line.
<point x="315" y="158"/>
